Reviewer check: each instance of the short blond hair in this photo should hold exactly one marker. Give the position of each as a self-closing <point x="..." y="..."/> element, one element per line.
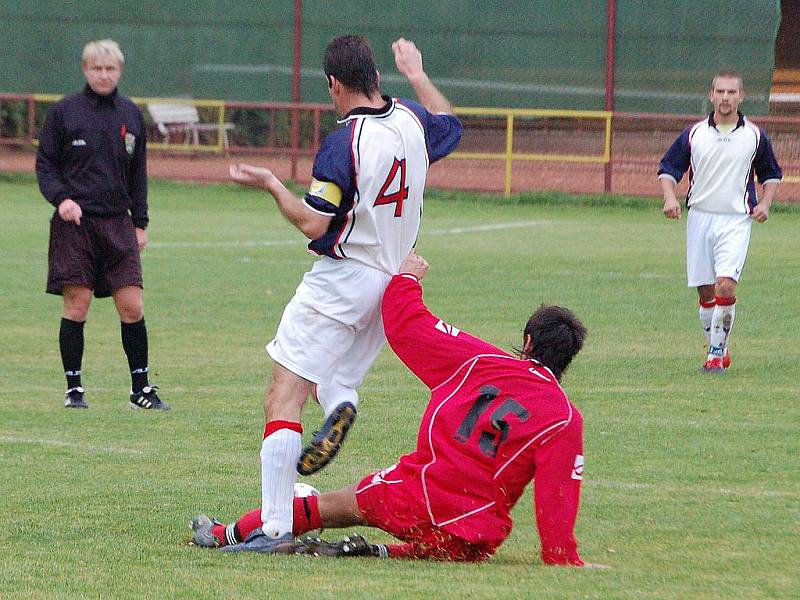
<point x="727" y="74"/>
<point x="97" y="48"/>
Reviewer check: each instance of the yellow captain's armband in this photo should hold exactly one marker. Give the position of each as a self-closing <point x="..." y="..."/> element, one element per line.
<point x="328" y="191"/>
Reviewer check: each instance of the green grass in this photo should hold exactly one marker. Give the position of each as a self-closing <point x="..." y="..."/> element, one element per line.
<point x="691" y="486"/>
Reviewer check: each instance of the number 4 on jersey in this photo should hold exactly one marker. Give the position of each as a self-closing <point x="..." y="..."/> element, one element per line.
<point x="401" y="194"/>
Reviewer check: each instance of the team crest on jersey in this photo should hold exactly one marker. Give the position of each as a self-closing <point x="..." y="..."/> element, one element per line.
<point x="130" y="142"/>
<point x="447" y="328"/>
<point x="577" y="470"/>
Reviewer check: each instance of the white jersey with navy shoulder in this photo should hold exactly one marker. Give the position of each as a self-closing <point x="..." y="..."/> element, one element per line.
<point x="721" y="165"/>
<point x="370" y="176"/>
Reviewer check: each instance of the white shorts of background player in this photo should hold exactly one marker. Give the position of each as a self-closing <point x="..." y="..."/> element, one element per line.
<point x="331" y="331"/>
<point x="716" y="246"/>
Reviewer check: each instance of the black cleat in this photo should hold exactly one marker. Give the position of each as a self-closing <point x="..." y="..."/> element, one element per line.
<point x="148" y="399"/>
<point x="75" y="399"/>
<point x="352" y="545"/>
<point x="328" y="440"/>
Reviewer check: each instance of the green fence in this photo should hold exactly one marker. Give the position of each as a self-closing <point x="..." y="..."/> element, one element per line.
<point x="534" y="53"/>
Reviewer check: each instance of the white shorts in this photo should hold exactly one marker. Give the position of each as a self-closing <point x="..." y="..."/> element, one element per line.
<point x="716" y="246"/>
<point x="331" y="331"/>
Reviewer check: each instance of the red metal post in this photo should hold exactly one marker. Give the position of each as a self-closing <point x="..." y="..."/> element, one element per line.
<point x="315" y="126"/>
<point x="298" y="32"/>
<point x="31" y="119"/>
<point x="611" y="36"/>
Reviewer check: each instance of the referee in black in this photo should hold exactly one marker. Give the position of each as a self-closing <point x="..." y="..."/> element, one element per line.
<point x="92" y="166"/>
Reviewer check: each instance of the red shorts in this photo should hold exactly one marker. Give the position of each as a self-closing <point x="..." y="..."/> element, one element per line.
<point x="398" y="508"/>
<point x="101" y="254"/>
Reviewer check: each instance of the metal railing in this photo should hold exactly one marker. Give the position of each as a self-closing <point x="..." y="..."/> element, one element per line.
<point x="509" y="156"/>
<point x="507" y="117"/>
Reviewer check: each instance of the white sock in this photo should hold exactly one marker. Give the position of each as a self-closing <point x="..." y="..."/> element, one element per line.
<point x="280" y="452"/>
<point x="706" y="313"/>
<point x="330" y="395"/>
<point x="721" y="325"/>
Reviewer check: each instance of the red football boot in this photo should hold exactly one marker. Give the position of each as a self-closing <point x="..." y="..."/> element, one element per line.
<point x="713" y="365"/>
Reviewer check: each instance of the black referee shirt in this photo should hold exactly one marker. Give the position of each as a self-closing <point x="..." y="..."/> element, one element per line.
<point x="92" y="149"/>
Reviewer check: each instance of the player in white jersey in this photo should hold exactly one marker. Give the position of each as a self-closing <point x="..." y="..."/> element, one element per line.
<point x="362" y="213"/>
<point x="721" y="153"/>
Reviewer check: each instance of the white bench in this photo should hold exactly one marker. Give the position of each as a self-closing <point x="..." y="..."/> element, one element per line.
<point x="184" y="119"/>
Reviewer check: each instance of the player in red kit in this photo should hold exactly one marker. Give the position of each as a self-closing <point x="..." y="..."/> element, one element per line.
<point x="494" y="423"/>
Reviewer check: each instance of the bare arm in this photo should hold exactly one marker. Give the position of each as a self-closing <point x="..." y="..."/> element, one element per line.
<point x="313" y="225"/>
<point x="672" y="208"/>
<point x="409" y="62"/>
<point x="761" y="211"/>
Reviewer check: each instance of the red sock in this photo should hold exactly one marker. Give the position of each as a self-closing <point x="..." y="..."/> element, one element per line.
<point x="306" y="518"/>
<point x="247" y="523"/>
<point x="306" y="515"/>
<point x="725" y="300"/>
<point x="240" y="530"/>
<point x="219" y="533"/>
<point x="401" y="551"/>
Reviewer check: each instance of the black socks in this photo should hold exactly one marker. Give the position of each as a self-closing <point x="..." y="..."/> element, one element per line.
<point x="134" y="342"/>
<point x="70" y="340"/>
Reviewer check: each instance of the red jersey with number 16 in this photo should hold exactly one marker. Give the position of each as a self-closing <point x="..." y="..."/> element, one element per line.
<point x="493" y="424"/>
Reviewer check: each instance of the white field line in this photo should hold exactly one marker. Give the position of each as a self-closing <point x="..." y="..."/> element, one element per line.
<point x="226" y="244"/>
<point x="297" y="242"/>
<point x="491" y="227"/>
<point x="627" y="389"/>
<point x="689" y="489"/>
<point x="680" y="423"/>
<point x="8" y="439"/>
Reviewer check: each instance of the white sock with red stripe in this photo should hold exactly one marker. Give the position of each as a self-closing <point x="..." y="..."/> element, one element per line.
<point x="721" y="325"/>
<point x="280" y="452"/>
<point x="706" y="313"/>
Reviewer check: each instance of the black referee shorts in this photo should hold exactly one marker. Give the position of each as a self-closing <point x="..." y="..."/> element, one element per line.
<point x="101" y="254"/>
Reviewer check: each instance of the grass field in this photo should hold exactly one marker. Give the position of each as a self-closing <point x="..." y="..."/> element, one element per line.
<point x="691" y="489"/>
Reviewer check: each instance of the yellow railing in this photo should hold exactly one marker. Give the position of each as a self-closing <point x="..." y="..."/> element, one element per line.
<point x="509" y="156"/>
<point x="218" y="104"/>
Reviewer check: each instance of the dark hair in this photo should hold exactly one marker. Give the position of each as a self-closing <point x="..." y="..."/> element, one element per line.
<point x="350" y="60"/>
<point x="557" y="336"/>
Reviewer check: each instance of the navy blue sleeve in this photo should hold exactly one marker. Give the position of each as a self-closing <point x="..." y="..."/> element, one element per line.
<point x="764" y="164"/>
<point x="137" y="174"/>
<point x="48" y="158"/>
<point x="333" y="165"/>
<point x="677" y="159"/>
<point x="442" y="132"/>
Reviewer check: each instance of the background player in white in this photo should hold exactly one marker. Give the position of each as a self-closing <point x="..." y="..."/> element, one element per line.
<point x="362" y="213"/>
<point x="721" y="154"/>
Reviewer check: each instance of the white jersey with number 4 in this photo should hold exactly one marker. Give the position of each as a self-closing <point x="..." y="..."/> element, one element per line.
<point x="370" y="177"/>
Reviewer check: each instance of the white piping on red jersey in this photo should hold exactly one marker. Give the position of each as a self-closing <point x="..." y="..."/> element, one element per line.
<point x="554" y="430"/>
<point x="474" y="361"/>
<point x="560" y="425"/>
